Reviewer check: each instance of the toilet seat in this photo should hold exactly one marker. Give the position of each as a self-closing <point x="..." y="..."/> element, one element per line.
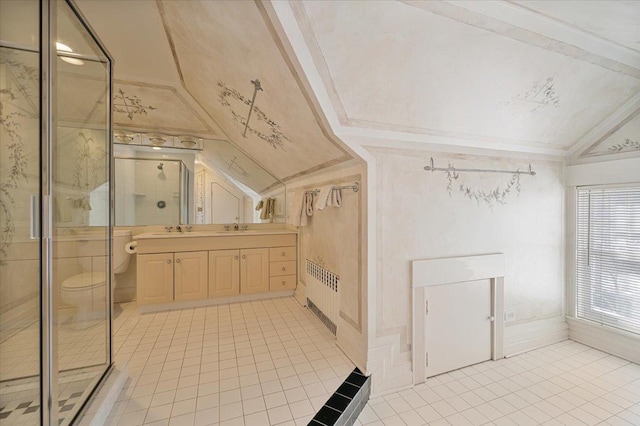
<point x="84" y="281"/>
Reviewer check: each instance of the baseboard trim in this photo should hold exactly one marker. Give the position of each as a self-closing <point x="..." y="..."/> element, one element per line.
<point x="145" y="309"/>
<point x="606" y="339"/>
<point x="529" y="336"/>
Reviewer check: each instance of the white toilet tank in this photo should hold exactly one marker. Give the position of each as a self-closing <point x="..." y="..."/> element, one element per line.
<point x="120" y="257"/>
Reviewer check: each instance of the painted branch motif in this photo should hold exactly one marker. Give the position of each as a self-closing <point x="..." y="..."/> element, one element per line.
<point x="543" y="94"/>
<point x="494" y="197"/>
<point x="130" y="105"/>
<point x="276" y="138"/>
<point x="25" y="76"/>
<point x="627" y="145"/>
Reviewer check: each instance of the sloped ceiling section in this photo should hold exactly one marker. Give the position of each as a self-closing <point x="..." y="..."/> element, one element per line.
<point x="185" y="67"/>
<point x="220" y="47"/>
<point x="449" y="69"/>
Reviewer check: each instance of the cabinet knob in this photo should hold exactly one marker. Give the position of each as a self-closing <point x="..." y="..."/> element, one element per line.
<point x="284" y="282"/>
<point x="168" y="260"/>
<point x="244" y="256"/>
<point x="284" y="254"/>
<point x="235" y="257"/>
<point x="177" y="260"/>
<point x="284" y="269"/>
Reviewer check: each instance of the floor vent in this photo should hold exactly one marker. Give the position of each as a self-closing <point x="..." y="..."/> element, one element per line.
<point x="346" y="404"/>
<point x="322" y="317"/>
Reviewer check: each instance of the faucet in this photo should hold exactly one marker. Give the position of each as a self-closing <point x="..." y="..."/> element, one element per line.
<point x="227" y="227"/>
<point x="236" y="226"/>
<point x="178" y="228"/>
<point x="168" y="228"/>
<point x="244" y="226"/>
<point x="188" y="228"/>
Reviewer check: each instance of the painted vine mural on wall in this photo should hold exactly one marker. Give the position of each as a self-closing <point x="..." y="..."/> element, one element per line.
<point x="130" y="105"/>
<point x="19" y="79"/>
<point x="493" y="197"/>
<point x="276" y="138"/>
<point x="89" y="168"/>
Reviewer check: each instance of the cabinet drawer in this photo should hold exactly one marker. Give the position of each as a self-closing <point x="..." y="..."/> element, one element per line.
<point x="280" y="254"/>
<point x="285" y="282"/>
<point x="277" y="269"/>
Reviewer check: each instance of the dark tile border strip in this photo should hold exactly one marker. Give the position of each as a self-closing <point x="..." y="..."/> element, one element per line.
<point x="347" y="402"/>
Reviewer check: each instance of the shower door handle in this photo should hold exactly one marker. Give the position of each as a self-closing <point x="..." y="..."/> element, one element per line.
<point x="35" y="217"/>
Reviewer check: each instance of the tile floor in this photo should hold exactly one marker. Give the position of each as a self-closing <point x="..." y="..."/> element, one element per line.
<point x="266" y="362"/>
<point x="84" y="347"/>
<point x="563" y="384"/>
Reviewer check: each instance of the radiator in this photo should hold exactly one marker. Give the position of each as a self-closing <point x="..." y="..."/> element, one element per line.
<point x="322" y="294"/>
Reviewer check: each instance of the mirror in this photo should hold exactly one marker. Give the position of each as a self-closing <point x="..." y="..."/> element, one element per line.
<point x="199" y="182"/>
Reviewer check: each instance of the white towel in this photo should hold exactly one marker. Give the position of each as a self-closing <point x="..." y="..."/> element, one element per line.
<point x="335" y="198"/>
<point x="323" y="197"/>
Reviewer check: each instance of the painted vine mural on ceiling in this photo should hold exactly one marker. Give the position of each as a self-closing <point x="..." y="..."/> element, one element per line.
<point x="130" y="105"/>
<point x="16" y="107"/>
<point x="541" y="95"/>
<point x="274" y="135"/>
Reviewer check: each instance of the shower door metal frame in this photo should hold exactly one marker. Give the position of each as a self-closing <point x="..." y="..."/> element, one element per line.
<point x="49" y="373"/>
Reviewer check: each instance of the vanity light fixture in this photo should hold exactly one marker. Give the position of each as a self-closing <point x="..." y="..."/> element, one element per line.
<point x="61" y="47"/>
<point x="157" y="140"/>
<point x="124" y="138"/>
<point x="157" y="148"/>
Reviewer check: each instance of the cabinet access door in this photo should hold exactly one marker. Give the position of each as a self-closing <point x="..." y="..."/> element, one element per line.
<point x="224" y="273"/>
<point x="155" y="278"/>
<point x="191" y="275"/>
<point x="254" y="271"/>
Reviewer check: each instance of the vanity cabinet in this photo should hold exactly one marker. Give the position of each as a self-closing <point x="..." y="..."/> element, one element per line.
<point x="191" y="278"/>
<point x="254" y="271"/>
<point x="155" y="278"/>
<point x="224" y="273"/>
<point x="282" y="268"/>
<point x="193" y="268"/>
<point x="165" y="277"/>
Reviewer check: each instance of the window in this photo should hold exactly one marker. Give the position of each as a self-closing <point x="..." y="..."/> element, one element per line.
<point x="608" y="256"/>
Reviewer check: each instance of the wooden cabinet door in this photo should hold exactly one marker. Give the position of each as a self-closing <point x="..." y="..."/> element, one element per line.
<point x="254" y="271"/>
<point x="224" y="273"/>
<point x="155" y="278"/>
<point x="191" y="275"/>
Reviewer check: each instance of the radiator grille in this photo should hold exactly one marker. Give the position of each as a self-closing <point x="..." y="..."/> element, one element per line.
<point x="322" y="294"/>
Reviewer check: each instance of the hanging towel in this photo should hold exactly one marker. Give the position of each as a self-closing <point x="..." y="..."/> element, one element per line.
<point x="323" y="197"/>
<point x="271" y="208"/>
<point x="264" y="213"/>
<point x="308" y="203"/>
<point x="335" y="198"/>
<point x="259" y="205"/>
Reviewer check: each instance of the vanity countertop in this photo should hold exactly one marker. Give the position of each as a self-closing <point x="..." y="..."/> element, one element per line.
<point x="193" y="234"/>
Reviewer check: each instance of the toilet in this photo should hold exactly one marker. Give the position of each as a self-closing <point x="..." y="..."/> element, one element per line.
<point x="86" y="292"/>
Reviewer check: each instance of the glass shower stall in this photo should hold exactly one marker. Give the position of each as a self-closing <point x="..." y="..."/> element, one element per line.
<point x="56" y="212"/>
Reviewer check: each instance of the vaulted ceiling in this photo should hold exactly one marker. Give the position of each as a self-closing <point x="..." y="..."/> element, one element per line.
<point x="561" y="77"/>
<point x="557" y="77"/>
<point x="187" y="68"/>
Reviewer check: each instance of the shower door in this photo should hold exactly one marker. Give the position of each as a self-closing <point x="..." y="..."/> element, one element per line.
<point x="55" y="212"/>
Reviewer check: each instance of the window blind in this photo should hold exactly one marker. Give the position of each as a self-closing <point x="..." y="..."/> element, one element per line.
<point x="608" y="257"/>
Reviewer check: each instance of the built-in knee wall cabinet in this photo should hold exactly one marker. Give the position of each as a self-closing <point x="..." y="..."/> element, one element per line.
<point x="230" y="266"/>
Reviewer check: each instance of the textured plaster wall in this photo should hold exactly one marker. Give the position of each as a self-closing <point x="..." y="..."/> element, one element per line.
<point x="419" y="218"/>
<point x="335" y="238"/>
